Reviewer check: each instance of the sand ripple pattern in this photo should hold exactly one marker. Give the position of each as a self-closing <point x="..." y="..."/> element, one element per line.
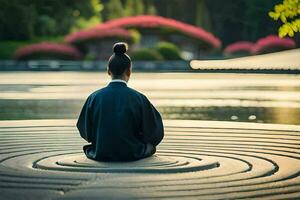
<point x="42" y="159"/>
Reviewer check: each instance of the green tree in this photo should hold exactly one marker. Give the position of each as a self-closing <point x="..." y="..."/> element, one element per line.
<point x="240" y="19"/>
<point x="133" y="7"/>
<point x="82" y="22"/>
<point x="26" y="19"/>
<point x="288" y="12"/>
<point x="17" y="21"/>
<point x="202" y="15"/>
<point x="114" y="9"/>
<point x="150" y="9"/>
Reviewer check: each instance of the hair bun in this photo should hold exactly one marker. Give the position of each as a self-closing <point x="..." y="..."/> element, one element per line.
<point x="120" y="48"/>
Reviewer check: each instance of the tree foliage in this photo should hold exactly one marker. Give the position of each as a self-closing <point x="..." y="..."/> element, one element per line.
<point x="83" y="22"/>
<point x="134" y="7"/>
<point x="119" y="8"/>
<point x="114" y="9"/>
<point x="27" y="19"/>
<point x="231" y="20"/>
<point x="288" y="13"/>
<point x="239" y="20"/>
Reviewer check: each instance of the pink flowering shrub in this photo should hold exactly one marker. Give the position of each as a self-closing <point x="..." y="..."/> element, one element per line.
<point x="272" y="43"/>
<point x="99" y="33"/>
<point x="46" y="50"/>
<point x="150" y="21"/>
<point x="239" y="48"/>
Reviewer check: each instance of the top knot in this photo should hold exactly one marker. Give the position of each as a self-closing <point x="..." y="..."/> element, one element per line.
<point x="120" y="48"/>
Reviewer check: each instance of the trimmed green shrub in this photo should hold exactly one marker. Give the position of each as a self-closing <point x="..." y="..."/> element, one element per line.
<point x="146" y="54"/>
<point x="168" y="50"/>
<point x="8" y="48"/>
<point x="89" y="57"/>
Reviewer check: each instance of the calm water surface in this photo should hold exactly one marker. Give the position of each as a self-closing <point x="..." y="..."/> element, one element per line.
<point x="226" y="97"/>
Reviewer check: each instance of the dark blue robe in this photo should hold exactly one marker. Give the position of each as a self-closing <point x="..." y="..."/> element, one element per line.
<point x="120" y="123"/>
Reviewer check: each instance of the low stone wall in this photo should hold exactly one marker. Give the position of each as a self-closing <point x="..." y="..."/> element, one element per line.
<point x="56" y="65"/>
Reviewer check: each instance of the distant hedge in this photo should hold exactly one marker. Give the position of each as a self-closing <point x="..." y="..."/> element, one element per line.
<point x="238" y="49"/>
<point x="273" y="43"/>
<point x="47" y="50"/>
<point x="168" y="50"/>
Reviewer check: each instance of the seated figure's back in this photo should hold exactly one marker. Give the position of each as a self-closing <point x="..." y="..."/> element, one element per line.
<point x="120" y="123"/>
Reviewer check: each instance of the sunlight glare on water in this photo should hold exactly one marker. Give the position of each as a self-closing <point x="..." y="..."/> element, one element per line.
<point x="229" y="97"/>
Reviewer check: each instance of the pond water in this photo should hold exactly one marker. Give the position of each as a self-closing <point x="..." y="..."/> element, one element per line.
<point x="263" y="98"/>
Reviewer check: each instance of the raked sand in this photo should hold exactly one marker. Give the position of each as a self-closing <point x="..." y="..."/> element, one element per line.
<point x="43" y="159"/>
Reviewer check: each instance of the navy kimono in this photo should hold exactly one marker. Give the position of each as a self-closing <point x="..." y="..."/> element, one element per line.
<point x="120" y="123"/>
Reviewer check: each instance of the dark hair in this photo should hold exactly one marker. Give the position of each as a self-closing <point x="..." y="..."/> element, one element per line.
<point x="119" y="61"/>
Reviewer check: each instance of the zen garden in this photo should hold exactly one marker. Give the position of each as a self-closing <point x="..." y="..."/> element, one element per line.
<point x="149" y="99"/>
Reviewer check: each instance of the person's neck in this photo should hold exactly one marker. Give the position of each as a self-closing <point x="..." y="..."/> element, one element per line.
<point x="120" y="78"/>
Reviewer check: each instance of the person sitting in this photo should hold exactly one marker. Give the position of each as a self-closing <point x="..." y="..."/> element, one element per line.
<point x="120" y="123"/>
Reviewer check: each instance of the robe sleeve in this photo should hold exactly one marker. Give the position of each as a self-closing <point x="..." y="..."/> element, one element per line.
<point x="152" y="125"/>
<point x="84" y="123"/>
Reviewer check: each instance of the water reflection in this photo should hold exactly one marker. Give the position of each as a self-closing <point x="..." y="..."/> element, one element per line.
<point x="60" y="109"/>
<point x="225" y="97"/>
